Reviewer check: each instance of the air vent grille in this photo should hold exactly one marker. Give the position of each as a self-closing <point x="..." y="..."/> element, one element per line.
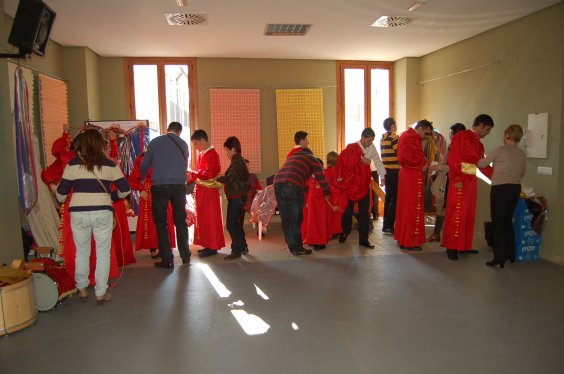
<point x="186" y="19"/>
<point x="286" y="29"/>
<point x="393" y="21"/>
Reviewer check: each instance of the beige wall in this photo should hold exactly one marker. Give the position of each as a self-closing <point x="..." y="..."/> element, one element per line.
<point x="527" y="77"/>
<point x="268" y="75"/>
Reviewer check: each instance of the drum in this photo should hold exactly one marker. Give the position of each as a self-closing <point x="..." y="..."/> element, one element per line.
<point x="17" y="306"/>
<point x="51" y="287"/>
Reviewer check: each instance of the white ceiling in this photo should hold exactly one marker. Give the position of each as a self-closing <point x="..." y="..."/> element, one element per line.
<point x="341" y="28"/>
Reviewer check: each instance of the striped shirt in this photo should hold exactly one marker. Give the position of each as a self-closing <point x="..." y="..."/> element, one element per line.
<point x="88" y="194"/>
<point x="389" y="148"/>
<point x="299" y="167"/>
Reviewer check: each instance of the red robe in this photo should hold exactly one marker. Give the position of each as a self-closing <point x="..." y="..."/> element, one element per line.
<point x="460" y="215"/>
<point x="146" y="232"/>
<point x="208" y="231"/>
<point x="338" y="199"/>
<point x="409" y="229"/>
<point x="316" y="216"/>
<point x="60" y="149"/>
<point x="120" y="236"/>
<point x="255" y="186"/>
<point x="355" y="174"/>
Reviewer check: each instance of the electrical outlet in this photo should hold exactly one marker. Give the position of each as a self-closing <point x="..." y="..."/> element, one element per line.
<point x="544" y="170"/>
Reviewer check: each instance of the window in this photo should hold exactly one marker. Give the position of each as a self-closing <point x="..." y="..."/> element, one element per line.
<point x="364" y="99"/>
<point x="162" y="90"/>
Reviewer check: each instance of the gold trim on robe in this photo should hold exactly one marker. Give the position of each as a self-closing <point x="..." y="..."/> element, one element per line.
<point x="209" y="183"/>
<point x="468" y="168"/>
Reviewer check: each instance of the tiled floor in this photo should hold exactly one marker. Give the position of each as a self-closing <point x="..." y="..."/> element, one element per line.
<point x="340" y="310"/>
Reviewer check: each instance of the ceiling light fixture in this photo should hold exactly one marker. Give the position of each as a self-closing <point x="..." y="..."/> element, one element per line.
<point x="182" y="3"/>
<point x="417" y="4"/>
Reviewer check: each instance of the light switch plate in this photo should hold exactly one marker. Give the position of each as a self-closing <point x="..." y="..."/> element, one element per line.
<point x="544" y="170"/>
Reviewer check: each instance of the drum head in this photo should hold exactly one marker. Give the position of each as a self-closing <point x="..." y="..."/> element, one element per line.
<point x="46" y="292"/>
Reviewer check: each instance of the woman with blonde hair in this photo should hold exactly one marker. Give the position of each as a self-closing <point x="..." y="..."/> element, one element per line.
<point x="89" y="176"/>
<point x="509" y="165"/>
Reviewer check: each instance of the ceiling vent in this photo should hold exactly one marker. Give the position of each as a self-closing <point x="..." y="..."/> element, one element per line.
<point x="186" y="19"/>
<point x="286" y="29"/>
<point x="393" y="21"/>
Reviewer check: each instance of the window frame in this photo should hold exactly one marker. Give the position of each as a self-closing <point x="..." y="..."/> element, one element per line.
<point x="160" y="62"/>
<point x="367" y="66"/>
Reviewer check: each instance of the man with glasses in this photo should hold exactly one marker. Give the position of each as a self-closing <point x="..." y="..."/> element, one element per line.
<point x="410" y="221"/>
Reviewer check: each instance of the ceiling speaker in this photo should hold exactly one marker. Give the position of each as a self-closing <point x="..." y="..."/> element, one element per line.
<point x="32" y="26"/>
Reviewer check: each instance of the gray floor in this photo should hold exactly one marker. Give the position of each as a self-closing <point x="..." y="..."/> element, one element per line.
<point x="342" y="310"/>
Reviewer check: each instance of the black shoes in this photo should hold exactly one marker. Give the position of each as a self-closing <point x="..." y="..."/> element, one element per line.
<point x="318" y="247"/>
<point x="388" y="231"/>
<point x="245" y="251"/>
<point x="232" y="256"/>
<point x="343" y="238"/>
<point x="300" y="252"/>
<point x="154" y="252"/>
<point x="416" y="248"/>
<point x="452" y="254"/>
<point x="366" y="244"/>
<point x="472" y="251"/>
<point x="495" y="263"/>
<point x="206" y="252"/>
<point x="164" y="265"/>
<point x="186" y="261"/>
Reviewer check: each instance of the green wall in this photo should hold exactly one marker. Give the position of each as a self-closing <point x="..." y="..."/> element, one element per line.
<point x="525" y="76"/>
<point x="269" y="75"/>
<point x="112" y="89"/>
<point x="10" y="239"/>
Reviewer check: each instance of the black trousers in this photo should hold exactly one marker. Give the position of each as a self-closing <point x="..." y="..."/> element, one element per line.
<point x="162" y="195"/>
<point x="362" y="218"/>
<point x="235" y="221"/>
<point x="392" y="177"/>
<point x="503" y="200"/>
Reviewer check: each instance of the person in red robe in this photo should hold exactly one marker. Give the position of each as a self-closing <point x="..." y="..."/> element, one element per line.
<point x="465" y="151"/>
<point x="335" y="224"/>
<point x="354" y="174"/>
<point x="301" y="141"/>
<point x="410" y="220"/>
<point x="146" y="232"/>
<point x="208" y="231"/>
<point x="316" y="216"/>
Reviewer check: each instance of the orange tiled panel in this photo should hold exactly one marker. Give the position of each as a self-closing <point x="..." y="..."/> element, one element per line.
<point x="300" y="110"/>
<point x="53" y="102"/>
<point x="236" y="112"/>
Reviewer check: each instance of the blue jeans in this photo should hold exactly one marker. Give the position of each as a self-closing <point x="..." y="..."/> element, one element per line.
<point x="83" y="225"/>
<point x="290" y="200"/>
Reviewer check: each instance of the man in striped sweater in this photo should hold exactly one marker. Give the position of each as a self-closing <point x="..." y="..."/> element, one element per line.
<point x="389" y="148"/>
<point x="289" y="186"/>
